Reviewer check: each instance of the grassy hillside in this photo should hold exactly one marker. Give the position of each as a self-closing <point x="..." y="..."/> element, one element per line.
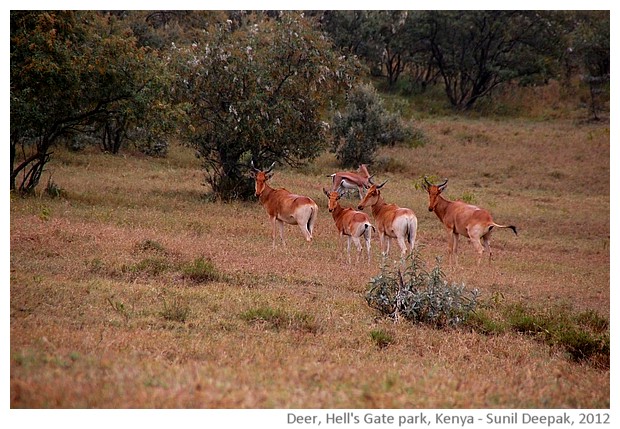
<point x="130" y="289"/>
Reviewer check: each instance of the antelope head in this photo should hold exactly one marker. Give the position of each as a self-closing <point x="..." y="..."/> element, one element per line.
<point x="260" y="177"/>
<point x="433" y="192"/>
<point x="333" y="197"/>
<point x="372" y="196"/>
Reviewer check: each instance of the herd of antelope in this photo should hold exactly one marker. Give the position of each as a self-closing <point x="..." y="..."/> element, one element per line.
<point x="391" y="221"/>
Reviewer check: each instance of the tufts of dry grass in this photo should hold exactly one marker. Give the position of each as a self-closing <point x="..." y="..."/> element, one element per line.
<point x="130" y="290"/>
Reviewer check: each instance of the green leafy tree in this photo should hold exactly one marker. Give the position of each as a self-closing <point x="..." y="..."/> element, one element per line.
<point x="363" y="126"/>
<point x="76" y="72"/>
<point x="258" y="92"/>
<point x="591" y="45"/>
<point x="475" y="51"/>
<point x="383" y="38"/>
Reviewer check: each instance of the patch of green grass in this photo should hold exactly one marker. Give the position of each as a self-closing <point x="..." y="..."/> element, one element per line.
<point x="148" y="266"/>
<point x="584" y="336"/>
<point x="381" y="338"/>
<point x="175" y="310"/>
<point x="278" y="319"/>
<point x="201" y="270"/>
<point x="484" y="322"/>
<point x="148" y="245"/>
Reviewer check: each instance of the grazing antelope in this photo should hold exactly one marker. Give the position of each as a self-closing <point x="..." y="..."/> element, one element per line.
<point x="350" y="180"/>
<point x="462" y="219"/>
<point x="391" y="221"/>
<point x="283" y="206"/>
<point x="350" y="222"/>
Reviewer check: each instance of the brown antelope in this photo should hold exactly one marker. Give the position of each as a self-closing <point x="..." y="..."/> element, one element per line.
<point x="391" y="221"/>
<point x="462" y="219"/>
<point x="283" y="206"/>
<point x="361" y="180"/>
<point x="351" y="223"/>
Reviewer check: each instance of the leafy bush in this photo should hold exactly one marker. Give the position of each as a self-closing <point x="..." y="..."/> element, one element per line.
<point x="421" y="296"/>
<point x="363" y="126"/>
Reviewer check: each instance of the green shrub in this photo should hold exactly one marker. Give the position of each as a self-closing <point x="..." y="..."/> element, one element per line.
<point x="421" y="296"/>
<point x="363" y="126"/>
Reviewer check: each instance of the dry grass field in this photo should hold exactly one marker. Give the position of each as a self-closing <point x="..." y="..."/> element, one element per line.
<point x="132" y="290"/>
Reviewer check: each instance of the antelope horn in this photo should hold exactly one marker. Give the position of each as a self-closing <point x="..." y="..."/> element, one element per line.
<point x="270" y="168"/>
<point x="252" y="165"/>
<point x="426" y="185"/>
<point x="381" y="185"/>
<point x="370" y="179"/>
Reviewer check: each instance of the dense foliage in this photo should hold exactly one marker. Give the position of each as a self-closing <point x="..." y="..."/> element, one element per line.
<point x="363" y="126"/>
<point x="421" y="296"/>
<point x="262" y="84"/>
<point x="72" y="73"/>
<point x="258" y="93"/>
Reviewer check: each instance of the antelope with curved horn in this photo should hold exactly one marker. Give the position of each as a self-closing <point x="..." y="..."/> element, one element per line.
<point x="391" y="221"/>
<point x="283" y="206"/>
<point x="345" y="180"/>
<point x="351" y="223"/>
<point x="463" y="219"/>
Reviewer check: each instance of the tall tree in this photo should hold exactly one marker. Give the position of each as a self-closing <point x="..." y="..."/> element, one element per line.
<point x="475" y="51"/>
<point x="591" y="45"/>
<point x="70" y="73"/>
<point x="258" y="93"/>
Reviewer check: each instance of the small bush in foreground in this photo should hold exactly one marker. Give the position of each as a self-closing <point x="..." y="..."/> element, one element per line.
<point x="421" y="296"/>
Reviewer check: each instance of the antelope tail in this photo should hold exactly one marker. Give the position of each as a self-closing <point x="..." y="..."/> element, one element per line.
<point x="514" y="228"/>
<point x="369" y="225"/>
<point x="412" y="227"/>
<point x="312" y="219"/>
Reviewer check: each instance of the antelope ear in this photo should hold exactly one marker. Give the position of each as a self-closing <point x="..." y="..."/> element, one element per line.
<point x="269" y="174"/>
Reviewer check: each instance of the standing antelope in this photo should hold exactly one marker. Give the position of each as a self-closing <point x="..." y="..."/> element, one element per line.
<point x="391" y="221"/>
<point x="350" y="222"/>
<point x="283" y="206"/>
<point x="350" y="180"/>
<point x="462" y="219"/>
